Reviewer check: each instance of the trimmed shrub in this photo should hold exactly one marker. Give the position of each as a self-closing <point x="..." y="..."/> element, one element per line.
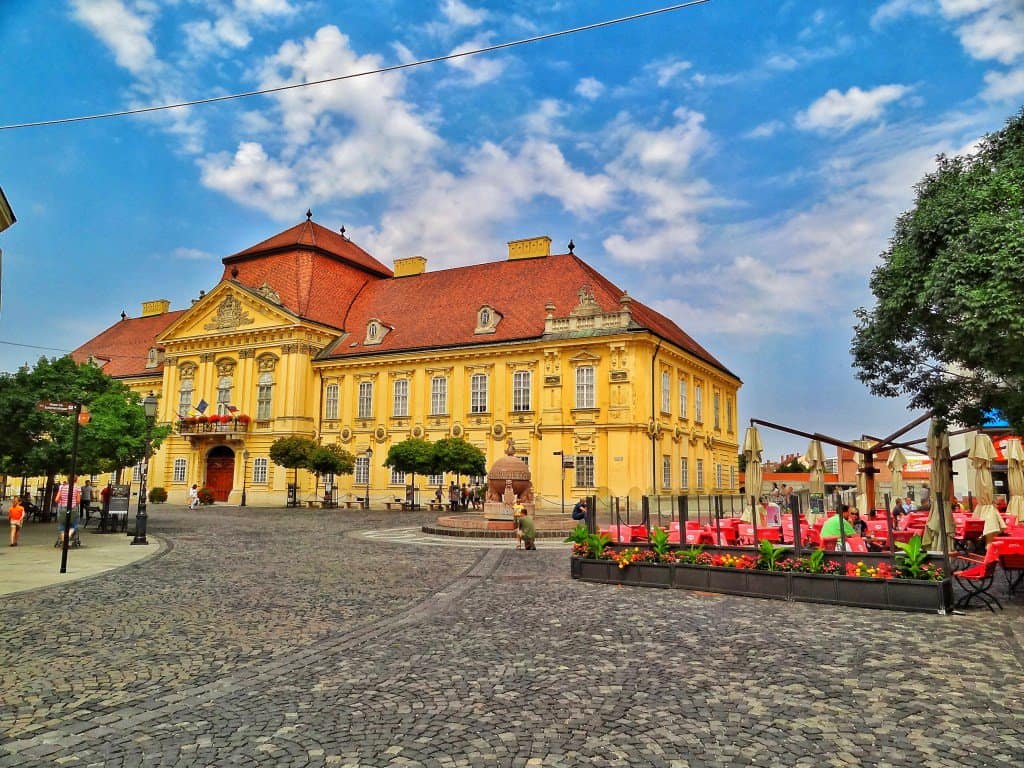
<point x="157" y="495"/>
<point x="205" y="495"/>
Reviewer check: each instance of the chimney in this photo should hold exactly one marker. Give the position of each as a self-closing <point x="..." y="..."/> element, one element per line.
<point x="412" y="265"/>
<point x="155" y="307"/>
<point x="530" y="248"/>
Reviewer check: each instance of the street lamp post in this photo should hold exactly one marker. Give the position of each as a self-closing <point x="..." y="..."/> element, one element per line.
<point x="149" y="403"/>
<point x="561" y="472"/>
<point x="369" y="455"/>
<point x="245" y="472"/>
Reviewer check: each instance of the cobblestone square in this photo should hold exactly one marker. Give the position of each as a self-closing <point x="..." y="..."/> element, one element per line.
<point x="316" y="638"/>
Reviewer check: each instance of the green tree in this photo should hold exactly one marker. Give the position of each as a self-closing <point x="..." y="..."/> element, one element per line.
<point x="331" y="460"/>
<point x="34" y="442"/>
<point x="414" y="455"/>
<point x="292" y="453"/>
<point x="947" y="328"/>
<point x="793" y="465"/>
<point x="453" y="454"/>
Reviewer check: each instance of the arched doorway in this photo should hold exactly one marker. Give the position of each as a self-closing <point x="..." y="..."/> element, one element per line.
<point x="220" y="472"/>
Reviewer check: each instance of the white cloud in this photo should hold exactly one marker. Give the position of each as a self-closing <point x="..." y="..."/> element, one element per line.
<point x="192" y="254"/>
<point x="990" y="29"/>
<point x="1000" y="86"/>
<point x="230" y="27"/>
<point x="252" y="177"/>
<point x="461" y="15"/>
<point x="765" y="130"/>
<point x="544" y="120"/>
<point x="123" y="27"/>
<point x="589" y="88"/>
<point x="842" y="111"/>
<point x="896" y="9"/>
<point x="667" y="71"/>
<point x="481" y="68"/>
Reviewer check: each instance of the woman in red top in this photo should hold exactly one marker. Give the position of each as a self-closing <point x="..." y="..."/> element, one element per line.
<point x="16" y="514"/>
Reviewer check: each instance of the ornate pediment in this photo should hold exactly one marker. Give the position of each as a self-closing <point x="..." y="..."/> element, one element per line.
<point x="230" y="315"/>
<point x="268" y="293"/>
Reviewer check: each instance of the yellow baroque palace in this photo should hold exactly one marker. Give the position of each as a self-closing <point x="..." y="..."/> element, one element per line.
<point x="307" y="334"/>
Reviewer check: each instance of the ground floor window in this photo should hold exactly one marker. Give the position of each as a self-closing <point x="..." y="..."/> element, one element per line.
<point x="259" y="470"/>
<point x="584" y="471"/>
<point x="179" y="470"/>
<point x="397" y="477"/>
<point x="362" y="470"/>
<point x="435" y="480"/>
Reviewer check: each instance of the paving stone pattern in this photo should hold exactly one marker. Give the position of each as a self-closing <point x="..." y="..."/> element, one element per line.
<point x="284" y="638"/>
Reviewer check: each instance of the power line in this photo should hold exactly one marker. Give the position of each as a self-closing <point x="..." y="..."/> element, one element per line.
<point x="381" y="70"/>
<point x="105" y="356"/>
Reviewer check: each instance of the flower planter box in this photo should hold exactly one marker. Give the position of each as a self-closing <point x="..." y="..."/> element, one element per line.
<point x="772" y="584"/>
<point x="813" y="587"/>
<point x="691" y="577"/>
<point x="731" y="581"/>
<point x="926" y="596"/>
<point x="852" y="590"/>
<point x="656" y="575"/>
<point x="598" y="570"/>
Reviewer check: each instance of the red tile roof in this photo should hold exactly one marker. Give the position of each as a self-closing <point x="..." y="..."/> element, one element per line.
<point x="439" y="309"/>
<point x="125" y="345"/>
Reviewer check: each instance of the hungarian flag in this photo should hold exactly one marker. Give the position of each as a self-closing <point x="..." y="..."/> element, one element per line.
<point x="232" y="409"/>
<point x="202" y="406"/>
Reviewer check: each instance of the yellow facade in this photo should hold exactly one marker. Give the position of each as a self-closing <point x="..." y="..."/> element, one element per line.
<point x="635" y="433"/>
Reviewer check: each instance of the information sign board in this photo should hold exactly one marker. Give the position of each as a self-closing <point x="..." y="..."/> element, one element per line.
<point x="119" y="496"/>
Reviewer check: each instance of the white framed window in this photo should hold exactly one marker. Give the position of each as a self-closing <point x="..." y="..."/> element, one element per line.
<point x="137" y="473"/>
<point x="478" y="393"/>
<point x="435" y="480"/>
<point x="698" y="403"/>
<point x="716" y="407"/>
<point x="732" y="478"/>
<point x="700" y="474"/>
<point x="362" y="471"/>
<point x="365" y="399"/>
<point x="682" y="398"/>
<point x="728" y="414"/>
<point x="585" y="387"/>
<point x="400" y="399"/>
<point x="718" y="475"/>
<point x="666" y="392"/>
<point x="185" y="397"/>
<point x="521" y="391"/>
<point x="438" y="396"/>
<point x="259" y="470"/>
<point x="331" y="401"/>
<point x="179" y="470"/>
<point x="666" y="472"/>
<point x="684" y="473"/>
<point x="223" y="394"/>
<point x="397" y="477"/>
<point x="584" y="471"/>
<point x="264" y="396"/>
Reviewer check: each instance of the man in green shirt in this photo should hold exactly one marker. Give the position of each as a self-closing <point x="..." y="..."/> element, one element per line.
<point x="831" y="527"/>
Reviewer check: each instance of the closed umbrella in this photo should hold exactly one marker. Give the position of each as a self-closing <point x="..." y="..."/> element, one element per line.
<point x="1015" y="475"/>
<point x="752" y="448"/>
<point x="940" y="479"/>
<point x="980" y="456"/>
<point x="816" y="463"/>
<point x="862" y="486"/>
<point x="896" y="462"/>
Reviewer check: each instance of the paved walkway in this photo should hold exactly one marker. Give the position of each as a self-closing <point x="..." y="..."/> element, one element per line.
<point x="290" y="638"/>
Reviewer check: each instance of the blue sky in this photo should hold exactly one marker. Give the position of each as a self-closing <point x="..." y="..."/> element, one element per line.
<point x="737" y="165"/>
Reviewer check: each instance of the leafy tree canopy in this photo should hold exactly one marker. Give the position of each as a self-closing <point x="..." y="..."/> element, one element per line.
<point x="414" y="455"/>
<point x="793" y="465"/>
<point x="34" y="442"/>
<point x="331" y="460"/>
<point x="292" y="452"/>
<point x="456" y="455"/>
<point x="947" y="328"/>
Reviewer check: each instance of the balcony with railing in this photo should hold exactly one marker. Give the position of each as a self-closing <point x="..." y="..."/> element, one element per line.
<point x="226" y="427"/>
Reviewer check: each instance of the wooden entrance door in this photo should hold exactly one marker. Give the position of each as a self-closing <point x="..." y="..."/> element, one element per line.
<point x="220" y="472"/>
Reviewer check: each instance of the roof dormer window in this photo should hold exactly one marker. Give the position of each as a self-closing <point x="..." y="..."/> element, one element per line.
<point x="155" y="357"/>
<point x="375" y="331"/>
<point x="487" y="319"/>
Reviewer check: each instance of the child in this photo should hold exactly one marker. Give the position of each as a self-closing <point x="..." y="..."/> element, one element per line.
<point x="16" y="514"/>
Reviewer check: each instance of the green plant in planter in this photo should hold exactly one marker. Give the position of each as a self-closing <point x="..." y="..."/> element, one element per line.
<point x="815" y="561"/>
<point x="157" y="495"/>
<point x="690" y="556"/>
<point x="205" y="495"/>
<point x="659" y="544"/>
<point x="768" y="555"/>
<point x="578" y="536"/>
<point x="912" y="558"/>
<point x="596" y="544"/>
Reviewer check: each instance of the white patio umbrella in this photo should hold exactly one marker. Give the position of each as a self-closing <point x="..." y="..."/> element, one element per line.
<point x="896" y="462"/>
<point x="980" y="456"/>
<point x="815" y="459"/>
<point x="1015" y="475"/>
<point x="752" y="448"/>
<point x="862" y="486"/>
<point x="940" y="479"/>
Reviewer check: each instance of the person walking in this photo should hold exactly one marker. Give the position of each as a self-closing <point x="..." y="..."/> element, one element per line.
<point x="193" y="496"/>
<point x="16" y="514"/>
<point x="86" y="501"/>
